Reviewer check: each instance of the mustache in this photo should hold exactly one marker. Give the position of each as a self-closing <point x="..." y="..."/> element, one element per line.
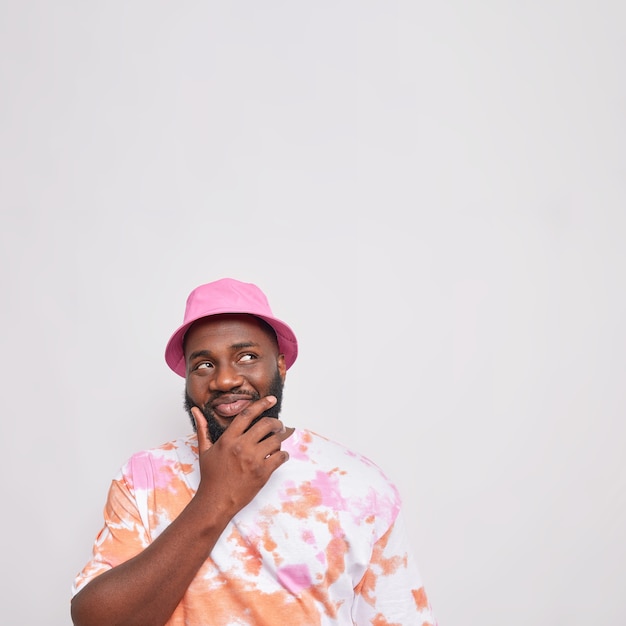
<point x="253" y="395"/>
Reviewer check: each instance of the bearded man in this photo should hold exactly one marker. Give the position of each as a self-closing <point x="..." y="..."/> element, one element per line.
<point x="244" y="521"/>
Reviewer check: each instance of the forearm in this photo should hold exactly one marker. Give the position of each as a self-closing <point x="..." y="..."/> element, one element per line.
<point x="147" y="588"/>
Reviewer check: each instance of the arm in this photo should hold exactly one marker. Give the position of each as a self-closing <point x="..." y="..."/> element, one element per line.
<point x="147" y="588"/>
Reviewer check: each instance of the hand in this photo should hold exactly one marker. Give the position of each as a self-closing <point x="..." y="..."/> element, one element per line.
<point x="236" y="467"/>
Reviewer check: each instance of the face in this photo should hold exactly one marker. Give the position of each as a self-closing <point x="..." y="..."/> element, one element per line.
<point x="232" y="360"/>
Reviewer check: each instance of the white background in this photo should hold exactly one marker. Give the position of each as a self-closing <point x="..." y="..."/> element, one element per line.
<point x="431" y="194"/>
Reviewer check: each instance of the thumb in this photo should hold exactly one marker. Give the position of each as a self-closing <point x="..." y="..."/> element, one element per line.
<point x="202" y="429"/>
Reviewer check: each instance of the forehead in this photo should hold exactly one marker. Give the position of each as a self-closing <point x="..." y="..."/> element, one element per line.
<point x="226" y="329"/>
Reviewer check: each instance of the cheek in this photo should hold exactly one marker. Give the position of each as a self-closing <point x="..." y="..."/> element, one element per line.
<point x="195" y="389"/>
<point x="265" y="381"/>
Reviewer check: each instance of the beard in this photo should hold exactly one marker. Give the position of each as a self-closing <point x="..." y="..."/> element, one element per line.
<point x="214" y="428"/>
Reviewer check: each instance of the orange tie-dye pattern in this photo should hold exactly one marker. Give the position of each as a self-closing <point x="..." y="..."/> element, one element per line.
<point x="335" y="557"/>
<point x="381" y="620"/>
<point x="300" y="501"/>
<point x="386" y="567"/>
<point x="236" y="597"/>
<point x="421" y="601"/>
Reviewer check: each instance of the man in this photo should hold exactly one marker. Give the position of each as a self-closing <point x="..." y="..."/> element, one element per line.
<point x="246" y="522"/>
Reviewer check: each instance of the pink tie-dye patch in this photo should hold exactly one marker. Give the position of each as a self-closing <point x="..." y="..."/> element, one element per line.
<point x="294" y="577"/>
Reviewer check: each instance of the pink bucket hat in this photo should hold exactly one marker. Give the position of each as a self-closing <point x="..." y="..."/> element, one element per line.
<point x="228" y="295"/>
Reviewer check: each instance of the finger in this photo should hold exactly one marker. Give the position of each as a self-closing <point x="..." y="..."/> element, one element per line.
<point x="272" y="442"/>
<point x="262" y="428"/>
<point x="202" y="428"/>
<point x="275" y="430"/>
<point x="283" y="433"/>
<point x="247" y="417"/>
<point x="276" y="459"/>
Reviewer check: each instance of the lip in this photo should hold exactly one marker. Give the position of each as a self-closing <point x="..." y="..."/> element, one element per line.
<point x="229" y="406"/>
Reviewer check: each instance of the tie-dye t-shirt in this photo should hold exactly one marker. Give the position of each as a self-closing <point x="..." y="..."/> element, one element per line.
<point x="322" y="544"/>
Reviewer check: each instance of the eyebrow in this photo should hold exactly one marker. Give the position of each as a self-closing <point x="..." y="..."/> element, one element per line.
<point x="235" y="346"/>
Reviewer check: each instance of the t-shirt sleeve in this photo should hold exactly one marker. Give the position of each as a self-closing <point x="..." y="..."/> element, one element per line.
<point x="122" y="537"/>
<point x="391" y="590"/>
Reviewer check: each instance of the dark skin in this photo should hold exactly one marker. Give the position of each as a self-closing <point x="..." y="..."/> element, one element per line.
<point x="231" y="360"/>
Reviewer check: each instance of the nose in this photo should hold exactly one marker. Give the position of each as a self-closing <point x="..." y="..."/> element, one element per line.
<point x="225" y="378"/>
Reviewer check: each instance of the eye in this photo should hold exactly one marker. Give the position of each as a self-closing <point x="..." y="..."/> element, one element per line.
<point x="204" y="365"/>
<point x="248" y="357"/>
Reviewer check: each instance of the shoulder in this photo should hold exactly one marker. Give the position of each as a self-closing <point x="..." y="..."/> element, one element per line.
<point x="312" y="446"/>
<point x="174" y="457"/>
<point x="331" y="456"/>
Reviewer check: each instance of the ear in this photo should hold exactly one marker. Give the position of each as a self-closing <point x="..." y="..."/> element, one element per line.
<point x="282" y="369"/>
